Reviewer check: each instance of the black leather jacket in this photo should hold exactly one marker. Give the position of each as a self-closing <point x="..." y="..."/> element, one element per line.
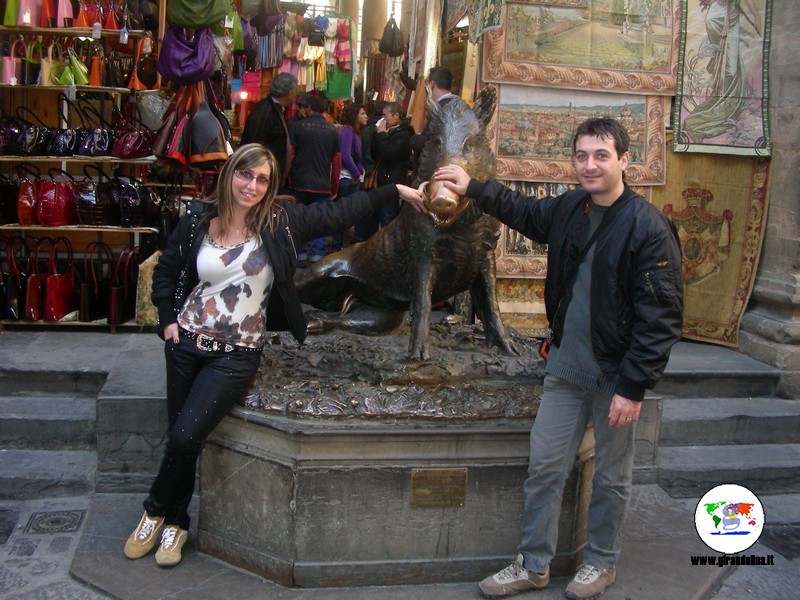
<point x="636" y="290"/>
<point x="175" y="275"/>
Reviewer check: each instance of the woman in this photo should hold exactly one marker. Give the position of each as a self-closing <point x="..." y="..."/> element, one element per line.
<point x="392" y="145"/>
<point x="352" y="174"/>
<point x="224" y="280"/>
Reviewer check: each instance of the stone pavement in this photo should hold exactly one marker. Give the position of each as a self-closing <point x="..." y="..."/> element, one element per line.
<point x="70" y="548"/>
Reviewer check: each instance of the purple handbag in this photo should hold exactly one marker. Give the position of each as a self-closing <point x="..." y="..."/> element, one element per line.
<point x="185" y="62"/>
<point x="250" y="37"/>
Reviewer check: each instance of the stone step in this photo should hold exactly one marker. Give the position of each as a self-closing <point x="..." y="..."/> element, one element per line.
<point x="721" y="421"/>
<point x="26" y="474"/>
<point x="34" y="382"/>
<point x="690" y="471"/>
<point x="703" y="383"/>
<point x="48" y="423"/>
<point x="707" y="371"/>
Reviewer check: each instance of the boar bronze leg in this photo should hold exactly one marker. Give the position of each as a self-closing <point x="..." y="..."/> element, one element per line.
<point x="484" y="303"/>
<point x="419" y="343"/>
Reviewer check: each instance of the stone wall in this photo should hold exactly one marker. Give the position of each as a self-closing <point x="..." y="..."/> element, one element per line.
<point x="770" y="329"/>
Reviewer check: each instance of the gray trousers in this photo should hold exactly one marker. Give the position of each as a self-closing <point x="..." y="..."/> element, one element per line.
<point x="557" y="432"/>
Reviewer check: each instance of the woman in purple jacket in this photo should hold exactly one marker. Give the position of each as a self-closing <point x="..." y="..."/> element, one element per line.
<point x="352" y="174"/>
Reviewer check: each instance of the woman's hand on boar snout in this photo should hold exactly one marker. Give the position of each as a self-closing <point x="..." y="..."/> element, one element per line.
<point x="413" y="197"/>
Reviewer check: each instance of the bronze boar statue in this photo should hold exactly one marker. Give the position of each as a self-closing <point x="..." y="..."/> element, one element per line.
<point x="420" y="259"/>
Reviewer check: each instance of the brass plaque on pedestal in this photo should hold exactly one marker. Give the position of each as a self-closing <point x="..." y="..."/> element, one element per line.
<point x="438" y="488"/>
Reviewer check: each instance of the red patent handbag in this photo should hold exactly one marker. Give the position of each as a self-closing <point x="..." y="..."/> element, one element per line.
<point x="28" y="194"/>
<point x="61" y="291"/>
<point x="58" y="201"/>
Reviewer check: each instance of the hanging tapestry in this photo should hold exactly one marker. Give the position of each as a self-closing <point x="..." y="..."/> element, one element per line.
<point x="719" y="205"/>
<point x="605" y="45"/>
<point x="721" y="105"/>
<point x="484" y="15"/>
<point x="454" y="11"/>
<point x="531" y="132"/>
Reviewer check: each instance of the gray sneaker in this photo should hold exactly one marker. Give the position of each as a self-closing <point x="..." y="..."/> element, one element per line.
<point x="512" y="580"/>
<point x="590" y="582"/>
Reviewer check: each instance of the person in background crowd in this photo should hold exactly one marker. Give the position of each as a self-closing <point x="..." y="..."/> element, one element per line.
<point x="225" y="280"/>
<point x="316" y="163"/>
<point x="614" y="300"/>
<point x="352" y="174"/>
<point x="392" y="147"/>
<point x="266" y="123"/>
<point x="437" y="85"/>
<point x="302" y="111"/>
<point x="370" y="226"/>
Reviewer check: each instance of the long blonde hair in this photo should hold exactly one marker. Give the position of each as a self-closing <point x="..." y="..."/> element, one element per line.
<point x="246" y="157"/>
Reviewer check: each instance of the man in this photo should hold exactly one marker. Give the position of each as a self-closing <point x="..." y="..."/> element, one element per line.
<point x="438" y="85"/>
<point x="614" y="298"/>
<point x="392" y="149"/>
<point x="266" y="124"/>
<point x="316" y="163"/>
<point x="302" y="111"/>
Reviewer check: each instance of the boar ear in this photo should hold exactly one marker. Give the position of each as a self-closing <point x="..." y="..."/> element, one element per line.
<point x="485" y="104"/>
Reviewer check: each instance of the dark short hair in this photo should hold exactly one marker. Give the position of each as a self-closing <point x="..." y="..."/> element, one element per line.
<point x="303" y="100"/>
<point x="604" y="127"/>
<point x="442" y="77"/>
<point x="282" y="85"/>
<point x="317" y="103"/>
<point x="392" y="107"/>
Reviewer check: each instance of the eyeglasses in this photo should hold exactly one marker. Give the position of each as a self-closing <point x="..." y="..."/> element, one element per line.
<point x="247" y="176"/>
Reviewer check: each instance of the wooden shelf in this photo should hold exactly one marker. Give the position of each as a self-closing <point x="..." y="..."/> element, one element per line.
<point x="81" y="228"/>
<point x="81" y="159"/>
<point x="74" y="31"/>
<point x="79" y="88"/>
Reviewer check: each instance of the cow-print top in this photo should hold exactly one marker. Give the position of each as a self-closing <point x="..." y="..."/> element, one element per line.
<point x="230" y="301"/>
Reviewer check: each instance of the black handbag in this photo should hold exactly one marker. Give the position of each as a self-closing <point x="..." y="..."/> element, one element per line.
<point x="15" y="277"/>
<point x="391" y="42"/>
<point x="11" y="136"/>
<point x="35" y="138"/>
<point x="118" y="70"/>
<point x="66" y="140"/>
<point x="9" y="190"/>
<point x="122" y="304"/>
<point x="97" y="200"/>
<point x="100" y="135"/>
<point x="95" y="288"/>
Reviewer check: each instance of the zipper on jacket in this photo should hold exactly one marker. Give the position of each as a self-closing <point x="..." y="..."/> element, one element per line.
<point x="291" y="240"/>
<point x="650" y="285"/>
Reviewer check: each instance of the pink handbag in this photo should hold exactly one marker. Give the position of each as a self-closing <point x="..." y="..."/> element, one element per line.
<point x="30" y="12"/>
<point x="64" y="15"/>
<point x="12" y="64"/>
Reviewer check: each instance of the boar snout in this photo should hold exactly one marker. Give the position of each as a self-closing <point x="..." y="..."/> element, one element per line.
<point x="443" y="204"/>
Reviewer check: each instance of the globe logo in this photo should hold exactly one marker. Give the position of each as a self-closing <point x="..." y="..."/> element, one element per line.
<point x="729" y="518"/>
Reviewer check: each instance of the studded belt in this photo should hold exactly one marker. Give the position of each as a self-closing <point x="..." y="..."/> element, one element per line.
<point x="210" y="344"/>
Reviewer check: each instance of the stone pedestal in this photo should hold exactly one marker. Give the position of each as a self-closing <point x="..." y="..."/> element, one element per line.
<point x="312" y="503"/>
<point x="352" y="465"/>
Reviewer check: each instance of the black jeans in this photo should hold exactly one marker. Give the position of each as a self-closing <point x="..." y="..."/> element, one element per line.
<point x="201" y="388"/>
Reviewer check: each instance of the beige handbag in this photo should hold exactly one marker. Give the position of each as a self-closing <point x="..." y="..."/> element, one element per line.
<point x="53" y="56"/>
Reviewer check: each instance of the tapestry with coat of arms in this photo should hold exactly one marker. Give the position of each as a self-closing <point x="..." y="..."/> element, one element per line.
<point x="719" y="207"/>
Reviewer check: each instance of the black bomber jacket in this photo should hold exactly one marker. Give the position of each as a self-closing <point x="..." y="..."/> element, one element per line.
<point x="636" y="289"/>
<point x="175" y="275"/>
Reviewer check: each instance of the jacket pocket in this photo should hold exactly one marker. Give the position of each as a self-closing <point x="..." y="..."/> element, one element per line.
<point x="662" y="286"/>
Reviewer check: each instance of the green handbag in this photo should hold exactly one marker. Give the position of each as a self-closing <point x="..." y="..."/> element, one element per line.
<point x="80" y="71"/>
<point x="61" y="74"/>
<point x="11" y="14"/>
<point x="196" y="14"/>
